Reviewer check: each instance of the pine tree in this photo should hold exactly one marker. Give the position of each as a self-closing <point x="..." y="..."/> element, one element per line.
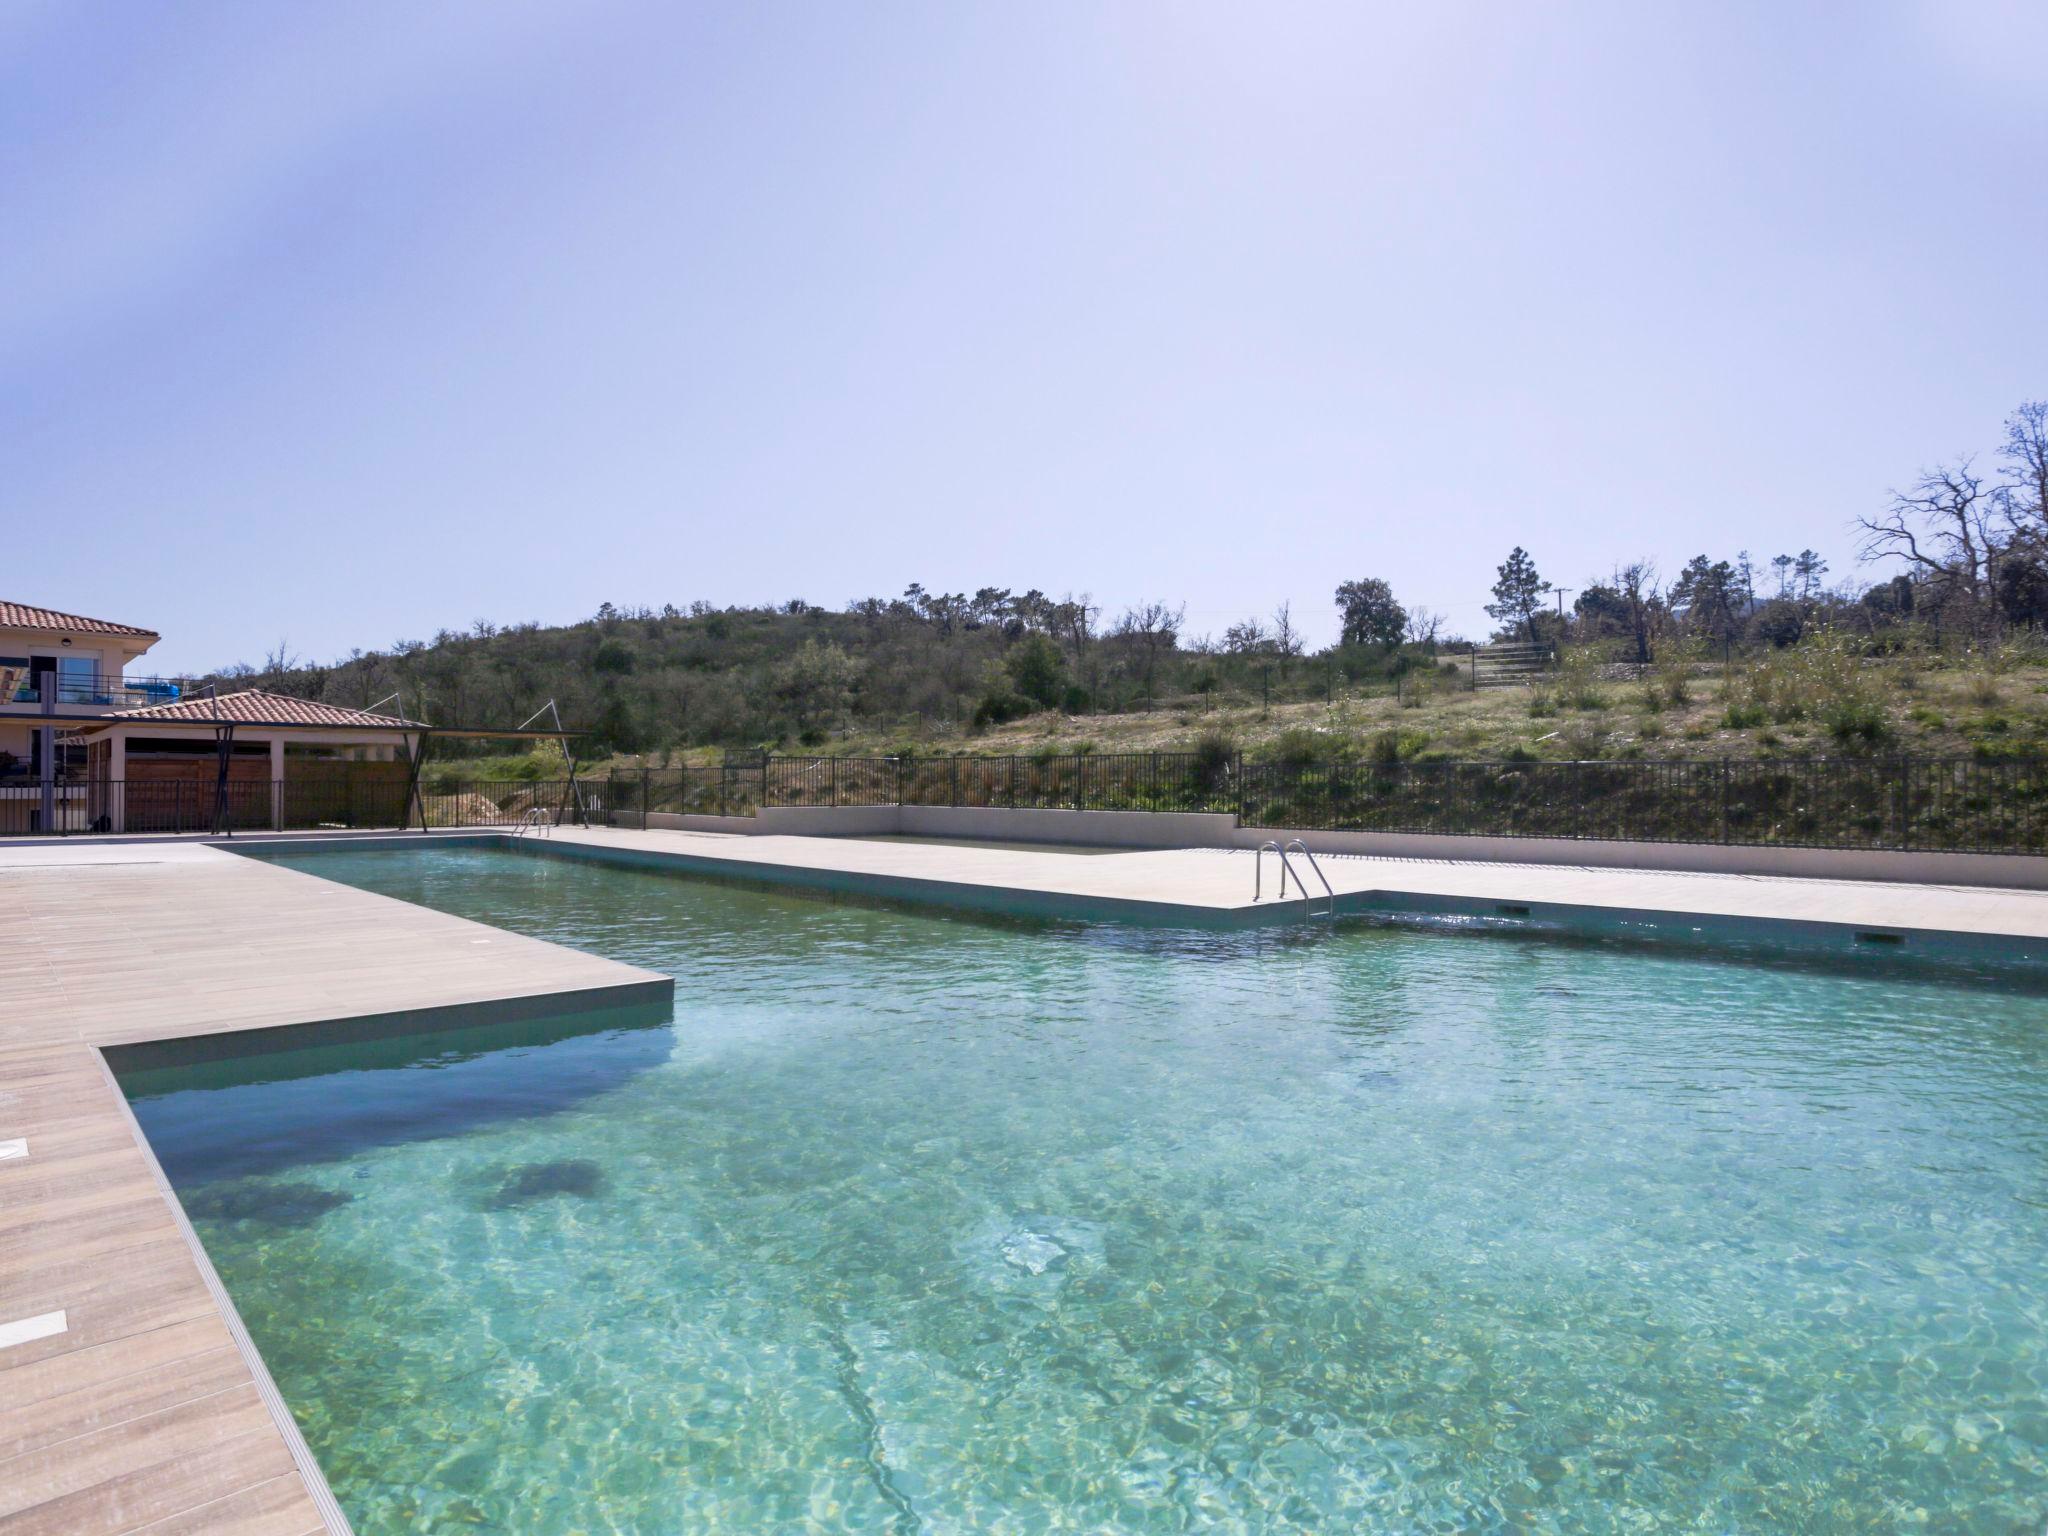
<point x="1517" y="593"/>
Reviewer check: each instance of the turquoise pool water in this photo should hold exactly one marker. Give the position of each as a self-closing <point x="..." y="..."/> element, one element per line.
<point x="914" y="1223"/>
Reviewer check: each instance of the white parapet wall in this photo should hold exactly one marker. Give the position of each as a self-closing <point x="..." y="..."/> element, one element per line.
<point x="1177" y="829"/>
<point x="1096" y="829"/>
<point x="672" y="821"/>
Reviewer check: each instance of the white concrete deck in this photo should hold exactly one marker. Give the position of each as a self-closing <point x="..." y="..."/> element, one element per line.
<point x="1209" y="884"/>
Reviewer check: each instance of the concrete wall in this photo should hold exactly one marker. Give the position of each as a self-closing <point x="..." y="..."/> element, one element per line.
<point x="672" y="821"/>
<point x="1096" y="829"/>
<point x="1101" y="829"/>
<point x="2012" y="871"/>
<point x="829" y="820"/>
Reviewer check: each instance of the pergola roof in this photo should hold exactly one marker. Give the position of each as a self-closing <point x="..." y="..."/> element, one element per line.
<point x="260" y="709"/>
<point x="25" y="616"/>
<point x="258" y="706"/>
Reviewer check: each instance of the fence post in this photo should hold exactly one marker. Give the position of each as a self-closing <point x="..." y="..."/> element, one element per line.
<point x="1725" y="829"/>
<point x="1080" y="782"/>
<point x="956" y="781"/>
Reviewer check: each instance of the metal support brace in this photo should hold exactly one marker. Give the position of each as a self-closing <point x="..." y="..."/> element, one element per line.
<point x="224" y="748"/>
<point x="413" y="798"/>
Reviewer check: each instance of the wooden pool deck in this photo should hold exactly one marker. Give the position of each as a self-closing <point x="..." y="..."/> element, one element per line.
<point x="129" y="1398"/>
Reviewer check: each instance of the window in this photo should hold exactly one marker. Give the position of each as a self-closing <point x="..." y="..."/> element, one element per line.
<point x="78" y="680"/>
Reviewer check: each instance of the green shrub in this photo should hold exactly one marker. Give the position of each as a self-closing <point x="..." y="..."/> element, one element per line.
<point x="1038" y="671"/>
<point x="1002" y="708"/>
<point x="1298" y="746"/>
<point x="1671" y="676"/>
<point x="1397" y="746"/>
<point x="1856" y="722"/>
<point x="1214" y="751"/>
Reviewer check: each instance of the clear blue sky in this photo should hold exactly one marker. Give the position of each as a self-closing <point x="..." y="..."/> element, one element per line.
<point x="345" y="323"/>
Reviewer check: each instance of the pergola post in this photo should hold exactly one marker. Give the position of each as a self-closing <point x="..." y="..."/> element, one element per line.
<point x="117" y="781"/>
<point x="277" y="783"/>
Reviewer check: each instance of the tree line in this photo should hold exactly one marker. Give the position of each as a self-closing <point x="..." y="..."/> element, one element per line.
<point x="1968" y="551"/>
<point x="1967" y="548"/>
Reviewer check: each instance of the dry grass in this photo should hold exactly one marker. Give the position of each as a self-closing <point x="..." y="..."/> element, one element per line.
<point x="1806" y="702"/>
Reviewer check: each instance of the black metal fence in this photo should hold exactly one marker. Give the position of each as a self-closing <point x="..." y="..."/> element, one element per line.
<point x="1960" y="805"/>
<point x="1129" y="781"/>
<point x="1953" y="805"/>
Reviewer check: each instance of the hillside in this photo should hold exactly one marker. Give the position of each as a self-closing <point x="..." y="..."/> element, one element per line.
<point x="670" y="687"/>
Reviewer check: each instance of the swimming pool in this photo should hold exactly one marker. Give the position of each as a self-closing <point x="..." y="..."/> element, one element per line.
<point x="909" y="1222"/>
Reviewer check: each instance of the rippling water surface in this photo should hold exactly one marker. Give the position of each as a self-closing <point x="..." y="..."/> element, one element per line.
<point x="915" y="1223"/>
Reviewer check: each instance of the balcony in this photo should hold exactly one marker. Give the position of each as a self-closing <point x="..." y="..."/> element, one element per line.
<point x="99" y="692"/>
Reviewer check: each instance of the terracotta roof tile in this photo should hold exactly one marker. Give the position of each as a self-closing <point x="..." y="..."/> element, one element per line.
<point x="22" y="616"/>
<point x="256" y="706"/>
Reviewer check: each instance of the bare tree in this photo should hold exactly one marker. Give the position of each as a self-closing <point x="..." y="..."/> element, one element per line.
<point x="277" y="662"/>
<point x="1636" y="582"/>
<point x="1246" y="639"/>
<point x="1154" y="628"/>
<point x="1287" y="639"/>
<point x="1425" y="627"/>
<point x="1941" y="528"/>
<point x="2023" y="499"/>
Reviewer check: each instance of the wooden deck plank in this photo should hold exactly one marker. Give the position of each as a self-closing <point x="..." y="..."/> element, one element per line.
<point x="131" y="1474"/>
<point x="278" y="1507"/>
<point x="120" y="1399"/>
<point x="144" y="1412"/>
<point x="83" y="1370"/>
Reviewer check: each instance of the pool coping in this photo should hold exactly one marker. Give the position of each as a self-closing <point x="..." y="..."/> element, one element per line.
<point x="1602" y="902"/>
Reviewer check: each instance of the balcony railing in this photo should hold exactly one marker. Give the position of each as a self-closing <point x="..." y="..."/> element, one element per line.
<point x="96" y="692"/>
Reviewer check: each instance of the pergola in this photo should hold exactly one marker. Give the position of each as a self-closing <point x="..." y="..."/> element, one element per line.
<point x="278" y="719"/>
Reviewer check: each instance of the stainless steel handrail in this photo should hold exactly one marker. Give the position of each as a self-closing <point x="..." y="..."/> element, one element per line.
<point x="1259" y="867"/>
<point x="1307" y="907"/>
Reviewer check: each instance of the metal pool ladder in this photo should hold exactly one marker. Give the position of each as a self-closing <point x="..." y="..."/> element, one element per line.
<point x="1308" y="905"/>
<point x="534" y="819"/>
